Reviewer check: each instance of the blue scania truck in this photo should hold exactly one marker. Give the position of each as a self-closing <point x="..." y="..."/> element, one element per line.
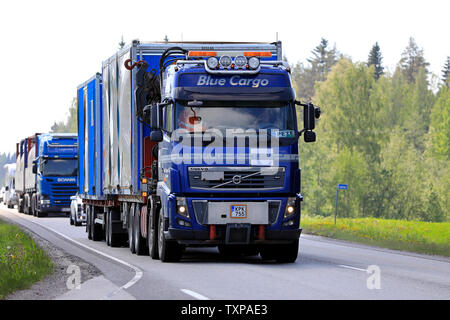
<point x="46" y="173"/>
<point x="193" y="144"/>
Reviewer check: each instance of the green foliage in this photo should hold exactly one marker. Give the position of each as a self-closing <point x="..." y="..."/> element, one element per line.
<point x="321" y="62"/>
<point x="21" y="262"/>
<point x="388" y="139"/>
<point x="446" y="73"/>
<point x="70" y="125"/>
<point x="375" y="59"/>
<point x="440" y="125"/>
<point x="412" y="61"/>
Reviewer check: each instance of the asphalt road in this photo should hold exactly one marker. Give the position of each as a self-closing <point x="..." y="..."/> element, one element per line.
<point x="325" y="269"/>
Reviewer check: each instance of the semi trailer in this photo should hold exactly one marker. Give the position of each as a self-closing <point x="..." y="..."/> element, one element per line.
<point x="193" y="144"/>
<point x="46" y="173"/>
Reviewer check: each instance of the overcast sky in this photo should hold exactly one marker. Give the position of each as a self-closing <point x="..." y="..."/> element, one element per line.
<point x="49" y="47"/>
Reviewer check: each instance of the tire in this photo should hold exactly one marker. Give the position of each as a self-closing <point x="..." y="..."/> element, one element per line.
<point x="96" y="229"/>
<point x="71" y="220"/>
<point x="33" y="204"/>
<point x="285" y="253"/>
<point x="169" y="251"/>
<point x="25" y="205"/>
<point x="20" y="206"/>
<point x="130" y="214"/>
<point x="88" y="222"/>
<point x="115" y="239"/>
<point x="140" y="247"/>
<point x="152" y="235"/>
<point x="288" y="253"/>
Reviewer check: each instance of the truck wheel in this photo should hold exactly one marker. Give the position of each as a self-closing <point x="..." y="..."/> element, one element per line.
<point x="130" y="220"/>
<point x="284" y="253"/>
<point x="20" y="206"/>
<point x="115" y="239"/>
<point x="96" y="229"/>
<point x="88" y="222"/>
<point x="152" y="236"/>
<point x="70" y="219"/>
<point x="139" y="241"/>
<point x="33" y="204"/>
<point x="169" y="251"/>
<point x="288" y="253"/>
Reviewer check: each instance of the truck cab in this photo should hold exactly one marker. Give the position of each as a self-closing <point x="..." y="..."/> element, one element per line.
<point x="227" y="167"/>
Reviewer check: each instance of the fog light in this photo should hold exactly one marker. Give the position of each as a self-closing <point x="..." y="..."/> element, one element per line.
<point x="290" y="208"/>
<point x="182" y="208"/>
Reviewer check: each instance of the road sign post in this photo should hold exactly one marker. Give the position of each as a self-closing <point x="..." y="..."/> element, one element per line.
<point x="339" y="187"/>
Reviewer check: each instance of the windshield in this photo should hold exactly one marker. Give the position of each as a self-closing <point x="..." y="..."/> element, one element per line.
<point x="236" y="115"/>
<point x="60" y="167"/>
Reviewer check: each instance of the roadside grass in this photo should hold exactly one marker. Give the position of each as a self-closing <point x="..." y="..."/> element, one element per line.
<point x="416" y="236"/>
<point x="22" y="262"/>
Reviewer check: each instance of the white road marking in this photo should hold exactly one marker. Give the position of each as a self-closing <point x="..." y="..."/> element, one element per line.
<point x="138" y="272"/>
<point x="195" y="294"/>
<point x="353" y="268"/>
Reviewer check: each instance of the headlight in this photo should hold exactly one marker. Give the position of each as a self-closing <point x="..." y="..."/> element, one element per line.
<point x="253" y="63"/>
<point x="182" y="208"/>
<point x="212" y="62"/>
<point x="240" y="61"/>
<point x="290" y="208"/>
<point x="225" y="61"/>
<point x="45" y="201"/>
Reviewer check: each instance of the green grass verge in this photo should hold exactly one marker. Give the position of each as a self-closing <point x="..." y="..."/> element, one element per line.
<point x="416" y="236"/>
<point x="22" y="262"/>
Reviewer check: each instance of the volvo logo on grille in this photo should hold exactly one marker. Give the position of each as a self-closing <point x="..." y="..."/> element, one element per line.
<point x="237" y="179"/>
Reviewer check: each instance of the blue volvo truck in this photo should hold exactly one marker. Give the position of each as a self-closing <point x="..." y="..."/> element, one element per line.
<point x="46" y="173"/>
<point x="193" y="144"/>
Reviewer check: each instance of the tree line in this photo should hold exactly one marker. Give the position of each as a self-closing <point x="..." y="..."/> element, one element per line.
<point x="385" y="135"/>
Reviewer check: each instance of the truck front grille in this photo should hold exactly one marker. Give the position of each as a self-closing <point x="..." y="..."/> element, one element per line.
<point x="233" y="178"/>
<point x="62" y="192"/>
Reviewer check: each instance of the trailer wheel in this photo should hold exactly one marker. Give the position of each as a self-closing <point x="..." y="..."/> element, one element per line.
<point x="152" y="234"/>
<point x="169" y="251"/>
<point x="115" y="239"/>
<point x="139" y="241"/>
<point x="96" y="229"/>
<point x="33" y="204"/>
<point x="20" y="206"/>
<point x="88" y="222"/>
<point x="130" y="214"/>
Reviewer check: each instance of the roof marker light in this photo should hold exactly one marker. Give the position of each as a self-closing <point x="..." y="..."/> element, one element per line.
<point x="202" y="54"/>
<point x="265" y="54"/>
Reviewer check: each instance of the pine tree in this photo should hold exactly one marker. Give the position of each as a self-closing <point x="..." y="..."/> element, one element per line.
<point x="446" y="73"/>
<point x="412" y="60"/>
<point x="375" y="59"/>
<point x="305" y="77"/>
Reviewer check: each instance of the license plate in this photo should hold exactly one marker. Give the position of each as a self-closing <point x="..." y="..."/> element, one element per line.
<point x="65" y="209"/>
<point x="239" y="211"/>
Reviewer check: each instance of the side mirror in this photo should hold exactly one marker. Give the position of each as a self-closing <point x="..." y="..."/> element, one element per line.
<point x="6" y="188"/>
<point x="309" y="136"/>
<point x="156" y="135"/>
<point x="154" y="116"/>
<point x="34" y="167"/>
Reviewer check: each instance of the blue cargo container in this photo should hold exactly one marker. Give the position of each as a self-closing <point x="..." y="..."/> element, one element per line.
<point x="141" y="183"/>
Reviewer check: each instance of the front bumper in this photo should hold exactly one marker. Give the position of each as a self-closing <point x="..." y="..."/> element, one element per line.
<point x="46" y="208"/>
<point x="202" y="237"/>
